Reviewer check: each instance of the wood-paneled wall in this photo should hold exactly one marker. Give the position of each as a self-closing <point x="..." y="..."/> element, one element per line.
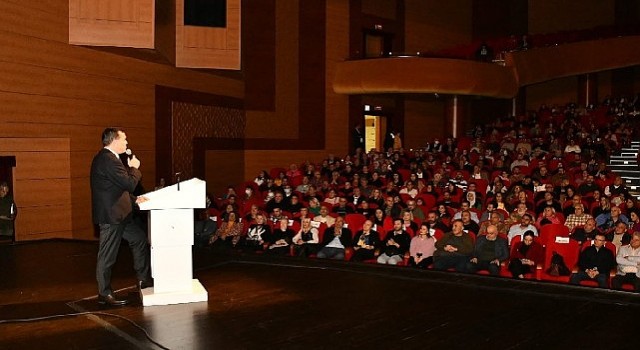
<point x="41" y="186"/>
<point x="50" y="89"/>
<point x="558" y="91"/>
<point x="307" y="117"/>
<point x="112" y="23"/>
<point x="550" y="16"/>
<point x="425" y="120"/>
<point x="208" y="47"/>
<point x="434" y="25"/>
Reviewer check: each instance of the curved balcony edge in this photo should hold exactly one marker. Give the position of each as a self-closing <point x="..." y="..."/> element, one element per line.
<point x="548" y="63"/>
<point x="424" y="75"/>
<point x="462" y="77"/>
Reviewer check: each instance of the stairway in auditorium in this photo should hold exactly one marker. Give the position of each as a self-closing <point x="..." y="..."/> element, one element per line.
<point x="626" y="165"/>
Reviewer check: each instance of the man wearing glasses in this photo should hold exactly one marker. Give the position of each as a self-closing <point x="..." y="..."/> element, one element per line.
<point x="595" y="263"/>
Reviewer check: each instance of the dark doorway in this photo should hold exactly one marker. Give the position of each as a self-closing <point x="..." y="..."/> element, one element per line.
<point x="7" y="163"/>
<point x="377" y="43"/>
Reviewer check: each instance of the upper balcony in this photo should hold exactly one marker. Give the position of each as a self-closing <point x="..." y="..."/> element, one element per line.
<point x="411" y="74"/>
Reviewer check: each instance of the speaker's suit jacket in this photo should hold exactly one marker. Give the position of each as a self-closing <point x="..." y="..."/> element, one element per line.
<point x="111" y="186"/>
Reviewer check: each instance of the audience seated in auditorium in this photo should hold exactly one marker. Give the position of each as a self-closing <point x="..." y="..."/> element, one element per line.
<point x="422" y="248"/>
<point x="229" y="231"/>
<point x="468" y="224"/>
<point x="335" y="240"/>
<point x="528" y="162"/>
<point x="306" y="241"/>
<point x="466" y="206"/>
<point x="395" y="244"/>
<point x="454" y="249"/>
<point x="527" y="254"/>
<point x="628" y="259"/>
<point x="586" y="232"/>
<point x="343" y="208"/>
<point x="324" y="217"/>
<point x="595" y="263"/>
<point x="435" y="223"/>
<point x="619" y="236"/>
<point x="495" y="220"/>
<point x="280" y="238"/>
<point x="578" y="218"/>
<point x="415" y="210"/>
<point x="203" y="228"/>
<point x="277" y="214"/>
<point x="608" y="221"/>
<point x="257" y="234"/>
<point x="522" y="227"/>
<point x="548" y="216"/>
<point x="489" y="252"/>
<point x="365" y="243"/>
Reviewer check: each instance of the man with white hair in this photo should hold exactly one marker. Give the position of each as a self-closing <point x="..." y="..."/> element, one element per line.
<point x="628" y="259"/>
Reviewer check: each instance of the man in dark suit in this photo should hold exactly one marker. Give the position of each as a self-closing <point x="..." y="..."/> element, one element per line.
<point x="111" y="186"/>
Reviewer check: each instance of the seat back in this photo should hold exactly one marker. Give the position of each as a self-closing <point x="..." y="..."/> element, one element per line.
<point x="355" y="221"/>
<point x="569" y="251"/>
<point x="429" y="200"/>
<point x="549" y="232"/>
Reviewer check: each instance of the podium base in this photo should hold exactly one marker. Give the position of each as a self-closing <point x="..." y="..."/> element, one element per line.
<point x="195" y="294"/>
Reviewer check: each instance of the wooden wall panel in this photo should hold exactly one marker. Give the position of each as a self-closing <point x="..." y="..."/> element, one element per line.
<point x="604" y="85"/>
<point x="310" y="85"/>
<point x="41" y="185"/>
<point x="287" y="79"/>
<point x="223" y="168"/>
<point x="42" y="192"/>
<point x="424" y="118"/>
<point x="39" y="81"/>
<point x="434" y="25"/>
<point x="337" y="48"/>
<point x="380" y="8"/>
<point x="550" y="16"/>
<point x="19" y="107"/>
<point x="81" y="218"/>
<point x="44" y="222"/>
<point x="208" y="47"/>
<point x="259" y="59"/>
<point x="286" y="109"/>
<point x="128" y="23"/>
<point x="25" y="19"/>
<point x="559" y="91"/>
<point x="43" y="165"/>
<point x="61" y="57"/>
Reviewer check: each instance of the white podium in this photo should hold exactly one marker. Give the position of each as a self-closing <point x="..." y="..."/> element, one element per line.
<point x="171" y="237"/>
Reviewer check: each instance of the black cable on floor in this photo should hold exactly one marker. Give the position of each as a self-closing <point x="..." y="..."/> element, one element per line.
<point x="51" y="317"/>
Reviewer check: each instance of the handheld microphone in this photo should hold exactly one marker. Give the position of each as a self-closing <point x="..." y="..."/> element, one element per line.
<point x="129" y="153"/>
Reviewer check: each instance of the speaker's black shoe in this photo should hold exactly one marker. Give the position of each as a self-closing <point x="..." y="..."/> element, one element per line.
<point x="111" y="300"/>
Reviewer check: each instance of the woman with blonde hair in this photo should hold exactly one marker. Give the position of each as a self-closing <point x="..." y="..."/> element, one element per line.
<point x="305" y="242"/>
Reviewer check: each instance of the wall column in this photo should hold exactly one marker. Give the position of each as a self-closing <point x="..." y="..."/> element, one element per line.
<point x="587" y="89"/>
<point x="455" y="113"/>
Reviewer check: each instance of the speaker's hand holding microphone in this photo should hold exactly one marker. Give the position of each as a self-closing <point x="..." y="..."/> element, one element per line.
<point x="133" y="161"/>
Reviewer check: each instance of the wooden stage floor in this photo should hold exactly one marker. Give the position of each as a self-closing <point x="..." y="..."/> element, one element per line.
<point x="263" y="302"/>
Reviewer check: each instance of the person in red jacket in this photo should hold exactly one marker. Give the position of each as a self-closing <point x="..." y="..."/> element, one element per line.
<point x="525" y="256"/>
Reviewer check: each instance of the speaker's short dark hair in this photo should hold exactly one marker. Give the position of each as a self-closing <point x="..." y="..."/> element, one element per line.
<point x="108" y="135"/>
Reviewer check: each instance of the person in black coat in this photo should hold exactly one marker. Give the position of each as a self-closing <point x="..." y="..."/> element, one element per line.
<point x="112" y="185"/>
<point x="595" y="263"/>
<point x="335" y="240"/>
<point x="366" y="242"/>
